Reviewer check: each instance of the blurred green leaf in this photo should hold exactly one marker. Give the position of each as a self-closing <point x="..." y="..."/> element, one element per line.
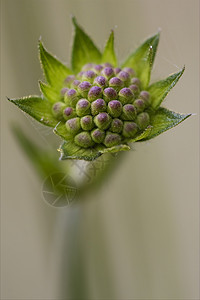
<point x="163" y="120"/>
<point x="49" y="93"/>
<point x="61" y="130"/>
<point x="160" y="89"/>
<point x="84" y="50"/>
<point x="142" y="135"/>
<point x="142" y="59"/>
<point x="38" y="108"/>
<point x="109" y="51"/>
<point x="55" y="72"/>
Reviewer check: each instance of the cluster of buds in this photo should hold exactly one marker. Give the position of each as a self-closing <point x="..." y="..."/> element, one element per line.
<point x="103" y="105"/>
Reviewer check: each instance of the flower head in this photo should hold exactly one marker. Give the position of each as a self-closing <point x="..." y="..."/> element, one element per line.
<point x="98" y="106"/>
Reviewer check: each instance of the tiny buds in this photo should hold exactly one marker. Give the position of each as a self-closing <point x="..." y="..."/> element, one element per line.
<point x="130" y="71"/>
<point x="98" y="106"/>
<point x="69" y="113"/>
<point x="75" y="83"/>
<point x="135" y="81"/>
<point x="112" y="139"/>
<point x="80" y="74"/>
<point x="57" y="110"/>
<point x="71" y="97"/>
<point x="69" y="80"/>
<point x="100" y="81"/>
<point x="126" y="96"/>
<point x="102" y="120"/>
<point x="108" y="72"/>
<point x="114" y="108"/>
<point x="89" y="76"/>
<point x="87" y="67"/>
<point x="145" y="96"/>
<point x="129" y="129"/>
<point x="73" y="126"/>
<point x="97" y="68"/>
<point x="87" y="123"/>
<point x="82" y="107"/>
<point x="98" y="135"/>
<point x="129" y="112"/>
<point x="94" y="93"/>
<point x="116" y="83"/>
<point x="117" y="70"/>
<point x="143" y="120"/>
<point x="63" y="91"/>
<point x="109" y="94"/>
<point x="124" y="76"/>
<point x="139" y="105"/>
<point x="107" y="65"/>
<point x="83" y="140"/>
<point x="134" y="88"/>
<point x="116" y="125"/>
<point x="83" y="88"/>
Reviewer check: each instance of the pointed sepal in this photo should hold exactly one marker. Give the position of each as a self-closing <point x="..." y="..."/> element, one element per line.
<point x="160" y="89"/>
<point x="38" y="108"/>
<point x="142" y="59"/>
<point x="49" y="93"/>
<point x="83" y="49"/>
<point x="109" y="51"/>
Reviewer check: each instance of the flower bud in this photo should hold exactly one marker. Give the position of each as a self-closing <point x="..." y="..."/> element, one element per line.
<point x="100" y="81"/>
<point x="98" y="106"/>
<point x="107" y="65"/>
<point x="73" y="126"/>
<point x="143" y="120"/>
<point x="75" y="83"/>
<point x="107" y="72"/>
<point x="135" y="81"/>
<point x="89" y="76"/>
<point x="83" y="140"/>
<point x="80" y="74"/>
<point x="125" y="77"/>
<point x="139" y="105"/>
<point x="129" y="112"/>
<point x="69" y="113"/>
<point x="97" y="68"/>
<point x="117" y="70"/>
<point x="109" y="94"/>
<point x="83" y="88"/>
<point x="69" y="80"/>
<point x="116" y="125"/>
<point x="130" y="71"/>
<point x="94" y="93"/>
<point x="112" y="139"/>
<point x="134" y="88"/>
<point x="87" y="123"/>
<point x="57" y="110"/>
<point x="115" y="108"/>
<point x="98" y="135"/>
<point x="71" y="97"/>
<point x="129" y="129"/>
<point x="63" y="91"/>
<point x="145" y="96"/>
<point x="126" y="96"/>
<point x="102" y="120"/>
<point x="82" y="107"/>
<point x="87" y="67"/>
<point x="116" y="83"/>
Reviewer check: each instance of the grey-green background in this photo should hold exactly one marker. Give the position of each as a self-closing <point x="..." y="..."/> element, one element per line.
<point x="138" y="238"/>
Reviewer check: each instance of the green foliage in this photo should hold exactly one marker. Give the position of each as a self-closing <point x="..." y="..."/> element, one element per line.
<point x="109" y="51"/>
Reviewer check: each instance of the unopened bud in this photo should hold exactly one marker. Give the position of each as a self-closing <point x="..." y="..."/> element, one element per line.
<point x="87" y="67"/>
<point x="115" y="108"/>
<point x="145" y="96"/>
<point x="135" y="81"/>
<point x="94" y="93"/>
<point x="112" y="139"/>
<point x="107" y="72"/>
<point x="143" y="120"/>
<point x="69" y="80"/>
<point x="87" y="123"/>
<point x="73" y="126"/>
<point x="69" y="113"/>
<point x="98" y="135"/>
<point x="126" y="96"/>
<point x="116" y="83"/>
<point x="100" y="81"/>
<point x="82" y="107"/>
<point x="139" y="105"/>
<point x="102" y="120"/>
<point x="116" y="125"/>
<point x="130" y="71"/>
<point x="125" y="77"/>
<point x="109" y="94"/>
<point x="83" y="140"/>
<point x="57" y="110"/>
<point x="134" y="88"/>
<point x="75" y="83"/>
<point x="71" y="97"/>
<point x="117" y="70"/>
<point x="129" y="129"/>
<point x="98" y="106"/>
<point x="97" y="68"/>
<point x="63" y="91"/>
<point x="129" y="112"/>
<point x="89" y="76"/>
<point x="83" y="88"/>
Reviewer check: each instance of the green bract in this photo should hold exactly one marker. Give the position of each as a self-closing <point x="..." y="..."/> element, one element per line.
<point x="97" y="106"/>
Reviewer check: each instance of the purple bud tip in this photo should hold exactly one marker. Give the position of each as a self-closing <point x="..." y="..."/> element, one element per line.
<point x="85" y="85"/>
<point x="76" y="82"/>
<point x="126" y="92"/>
<point x="108" y="72"/>
<point x="90" y="74"/>
<point x="130" y="71"/>
<point x="112" y="139"/>
<point x="134" y="88"/>
<point x="144" y="95"/>
<point x="100" y="80"/>
<point x="102" y="117"/>
<point x="87" y="67"/>
<point x="86" y="120"/>
<point x="130" y="126"/>
<point x="80" y="74"/>
<point x="107" y="65"/>
<point x="110" y="93"/>
<point x="69" y="79"/>
<point x="63" y="91"/>
<point x="94" y="92"/>
<point x="98" y="68"/>
<point x="136" y="81"/>
<point x="129" y="108"/>
<point x="99" y="103"/>
<point x="71" y="92"/>
<point x="68" y="111"/>
<point x="117" y="70"/>
<point x="114" y="104"/>
<point x="115" y="81"/>
<point x="123" y="75"/>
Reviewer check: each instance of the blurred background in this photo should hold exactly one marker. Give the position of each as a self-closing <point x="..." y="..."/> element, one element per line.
<point x="138" y="237"/>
